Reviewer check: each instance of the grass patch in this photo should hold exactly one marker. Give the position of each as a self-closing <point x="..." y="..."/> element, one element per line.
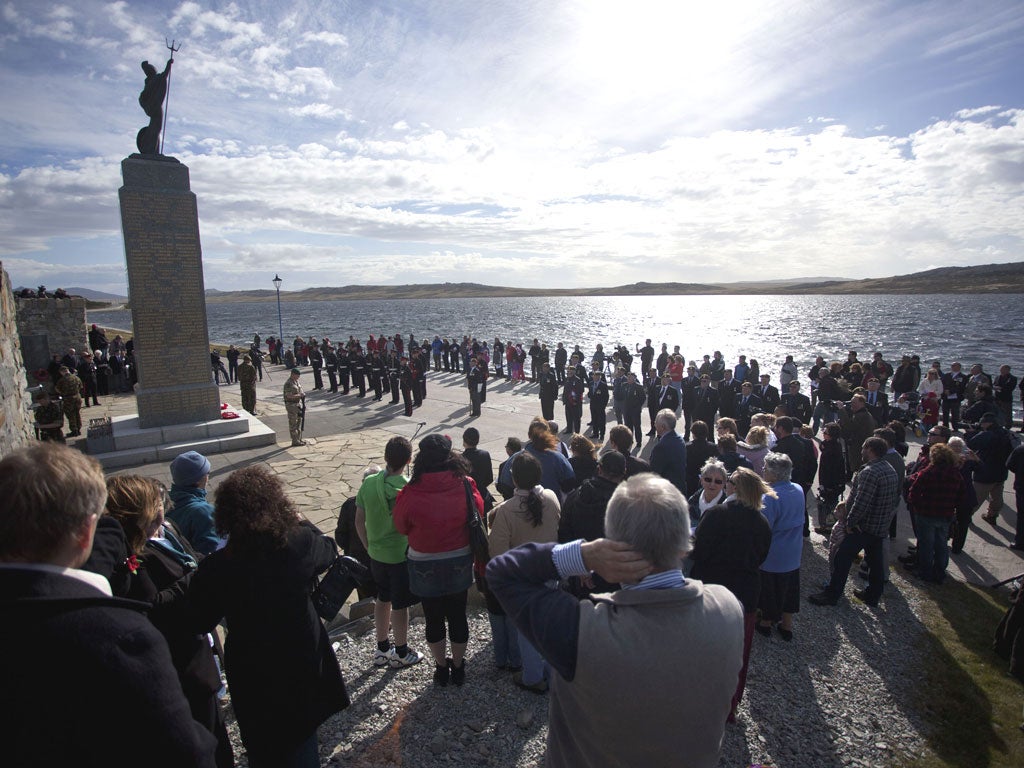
<point x="970" y="702"/>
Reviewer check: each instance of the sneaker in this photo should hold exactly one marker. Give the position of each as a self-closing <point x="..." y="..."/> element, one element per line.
<point x="382" y="658"/>
<point x="440" y="675"/>
<point x="400" y="662"/>
<point x="458" y="674"/>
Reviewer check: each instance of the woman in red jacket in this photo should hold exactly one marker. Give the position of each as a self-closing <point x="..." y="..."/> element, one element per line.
<point x="432" y="511"/>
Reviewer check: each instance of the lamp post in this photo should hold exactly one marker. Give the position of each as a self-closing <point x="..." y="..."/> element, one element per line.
<point x="280" y="328"/>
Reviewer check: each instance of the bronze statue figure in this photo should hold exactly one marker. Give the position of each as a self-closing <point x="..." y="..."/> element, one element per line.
<point x="152" y="102"/>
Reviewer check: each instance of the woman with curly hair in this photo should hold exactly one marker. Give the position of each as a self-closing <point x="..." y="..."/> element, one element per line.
<point x="730" y="544"/>
<point x="282" y="672"/>
<point x="531" y="515"/>
<point x="557" y="473"/>
<point x="159" y="568"/>
<point x="433" y="510"/>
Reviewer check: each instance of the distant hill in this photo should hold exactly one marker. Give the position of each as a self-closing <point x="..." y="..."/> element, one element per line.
<point x="988" y="278"/>
<point x="89" y="293"/>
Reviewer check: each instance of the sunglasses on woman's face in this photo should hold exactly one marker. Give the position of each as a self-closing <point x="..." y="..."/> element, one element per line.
<point x="713" y="480"/>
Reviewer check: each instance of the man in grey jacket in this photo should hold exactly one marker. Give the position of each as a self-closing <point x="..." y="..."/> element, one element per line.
<point x="611" y="705"/>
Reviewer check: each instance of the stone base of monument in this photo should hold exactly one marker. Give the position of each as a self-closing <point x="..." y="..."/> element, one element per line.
<point x="131" y="445"/>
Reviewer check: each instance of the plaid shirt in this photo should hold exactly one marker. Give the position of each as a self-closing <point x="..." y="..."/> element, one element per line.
<point x="937" y="491"/>
<point x="873" y="498"/>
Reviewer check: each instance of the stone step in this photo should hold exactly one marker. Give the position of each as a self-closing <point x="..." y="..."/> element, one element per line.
<point x="257" y="436"/>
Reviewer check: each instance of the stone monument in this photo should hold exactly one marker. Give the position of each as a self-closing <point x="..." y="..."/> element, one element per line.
<point x="160" y="221"/>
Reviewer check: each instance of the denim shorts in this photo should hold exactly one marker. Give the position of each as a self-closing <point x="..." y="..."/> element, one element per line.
<point x="448" y="576"/>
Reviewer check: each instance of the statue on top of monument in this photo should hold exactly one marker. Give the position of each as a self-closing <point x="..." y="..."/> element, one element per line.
<point x="152" y="102"/>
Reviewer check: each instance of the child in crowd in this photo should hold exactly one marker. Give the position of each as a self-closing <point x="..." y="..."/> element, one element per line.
<point x="832" y="474"/>
<point x="928" y="411"/>
<point x="837" y="535"/>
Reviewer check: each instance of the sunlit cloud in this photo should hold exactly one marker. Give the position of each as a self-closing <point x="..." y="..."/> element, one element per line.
<point x="489" y="141"/>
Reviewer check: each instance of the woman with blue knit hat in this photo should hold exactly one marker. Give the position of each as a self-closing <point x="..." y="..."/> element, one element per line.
<point x="192" y="513"/>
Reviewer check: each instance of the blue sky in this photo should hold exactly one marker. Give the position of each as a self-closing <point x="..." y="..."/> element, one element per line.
<point x="527" y="143"/>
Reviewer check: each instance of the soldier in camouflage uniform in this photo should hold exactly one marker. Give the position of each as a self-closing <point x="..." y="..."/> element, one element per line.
<point x="246" y="375"/>
<point x="49" y="418"/>
<point x="294" y="402"/>
<point x="69" y="387"/>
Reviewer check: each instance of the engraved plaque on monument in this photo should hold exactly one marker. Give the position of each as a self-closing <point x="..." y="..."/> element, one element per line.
<point x="160" y="222"/>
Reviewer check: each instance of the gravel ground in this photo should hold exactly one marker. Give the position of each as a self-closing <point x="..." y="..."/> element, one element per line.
<point x="839" y="694"/>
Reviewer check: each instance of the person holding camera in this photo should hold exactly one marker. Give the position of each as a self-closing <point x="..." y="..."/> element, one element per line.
<point x="857" y="425"/>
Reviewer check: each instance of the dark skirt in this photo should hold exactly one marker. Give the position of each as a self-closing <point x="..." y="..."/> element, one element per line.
<point x="780" y="593"/>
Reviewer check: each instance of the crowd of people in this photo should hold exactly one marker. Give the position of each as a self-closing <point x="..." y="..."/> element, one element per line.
<point x="76" y="380"/>
<point x="589" y="545"/>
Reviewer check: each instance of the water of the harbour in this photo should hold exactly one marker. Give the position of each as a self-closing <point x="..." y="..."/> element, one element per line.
<point x="970" y="328"/>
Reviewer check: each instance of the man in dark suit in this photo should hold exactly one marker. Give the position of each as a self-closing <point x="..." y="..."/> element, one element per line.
<point x="548" y="392"/>
<point x="634" y="405"/>
<point x="747" y="404"/>
<point x="877" y="401"/>
<point x="572" y="398"/>
<point x="668" y="458"/>
<point x="770" y="397"/>
<point x="598" y="393"/>
<point x="728" y="390"/>
<point x="797" y="405"/>
<point x="482" y="470"/>
<point x="689" y="386"/>
<point x="801" y="452"/>
<point x="661" y="394"/>
<point x="71" y="650"/>
<point x="561" y="357"/>
<point x="534" y="360"/>
<point x="475" y="382"/>
<point x="953" y="387"/>
<point x="705" y="403"/>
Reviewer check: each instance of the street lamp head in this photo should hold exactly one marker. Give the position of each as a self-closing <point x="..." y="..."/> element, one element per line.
<point x="277" y="282"/>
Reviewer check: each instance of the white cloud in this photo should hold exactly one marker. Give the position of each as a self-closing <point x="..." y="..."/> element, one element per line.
<point x="471" y="136"/>
<point x="327" y="38"/>
<point x="967" y="114"/>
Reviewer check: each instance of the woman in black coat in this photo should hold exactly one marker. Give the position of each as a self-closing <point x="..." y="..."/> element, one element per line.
<point x="731" y="542"/>
<point x="158" y="568"/>
<point x="283" y="676"/>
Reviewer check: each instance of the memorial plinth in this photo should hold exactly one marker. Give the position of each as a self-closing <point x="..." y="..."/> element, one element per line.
<point x="160" y="221"/>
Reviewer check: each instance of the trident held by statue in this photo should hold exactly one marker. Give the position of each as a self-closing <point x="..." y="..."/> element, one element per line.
<point x="174" y="46"/>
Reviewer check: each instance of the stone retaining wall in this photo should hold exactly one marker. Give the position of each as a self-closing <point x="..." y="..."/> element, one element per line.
<point x="15" y="418"/>
<point x="48" y="327"/>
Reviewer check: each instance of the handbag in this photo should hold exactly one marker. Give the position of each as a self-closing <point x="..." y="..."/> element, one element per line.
<point x="345" y="574"/>
<point x="477" y="534"/>
<point x="477" y="541"/>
